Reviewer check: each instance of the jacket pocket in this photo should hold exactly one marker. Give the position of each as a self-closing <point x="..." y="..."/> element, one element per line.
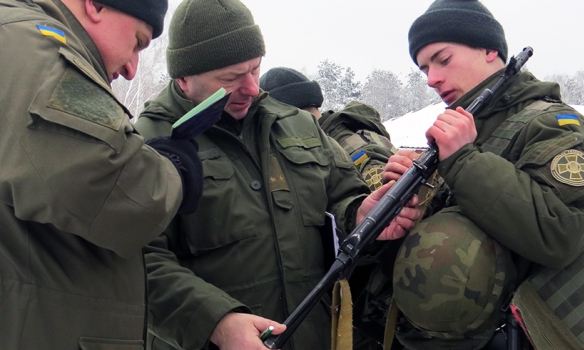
<point x="77" y="103"/>
<point x="87" y="343"/>
<point x="309" y="171"/>
<point x="223" y="216"/>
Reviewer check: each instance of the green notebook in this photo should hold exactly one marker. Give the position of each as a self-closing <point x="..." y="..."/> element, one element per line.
<point x="202" y="117"/>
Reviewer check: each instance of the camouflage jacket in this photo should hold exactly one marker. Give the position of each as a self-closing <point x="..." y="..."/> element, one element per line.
<point x="73" y="211"/>
<point x="254" y="243"/>
<point x="532" y="201"/>
<point x="358" y="129"/>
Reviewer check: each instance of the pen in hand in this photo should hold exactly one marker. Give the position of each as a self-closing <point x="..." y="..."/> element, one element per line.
<point x="265" y="334"/>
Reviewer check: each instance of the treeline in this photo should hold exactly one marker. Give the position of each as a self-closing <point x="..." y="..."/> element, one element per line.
<point x="382" y="89"/>
<point x="572" y="87"/>
<point x="391" y="95"/>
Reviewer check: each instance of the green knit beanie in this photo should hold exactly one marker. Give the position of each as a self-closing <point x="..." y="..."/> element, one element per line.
<point x="466" y="22"/>
<point x="205" y="35"/>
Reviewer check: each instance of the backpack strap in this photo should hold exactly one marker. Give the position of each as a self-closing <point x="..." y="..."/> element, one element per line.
<point x="342" y="317"/>
<point x="503" y="138"/>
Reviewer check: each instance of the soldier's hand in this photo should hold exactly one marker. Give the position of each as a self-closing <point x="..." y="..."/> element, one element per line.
<point x="238" y="331"/>
<point x="398" y="163"/>
<point x="183" y="155"/>
<point x="451" y="131"/>
<point x="401" y="224"/>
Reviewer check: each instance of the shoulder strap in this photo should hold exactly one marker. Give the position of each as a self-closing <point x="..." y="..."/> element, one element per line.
<point x="506" y="134"/>
<point x="342" y="317"/>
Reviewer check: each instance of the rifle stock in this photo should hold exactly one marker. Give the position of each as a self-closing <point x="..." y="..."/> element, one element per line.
<point x="383" y="212"/>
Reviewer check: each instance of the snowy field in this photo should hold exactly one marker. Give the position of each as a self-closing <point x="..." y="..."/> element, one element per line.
<point x="410" y="129"/>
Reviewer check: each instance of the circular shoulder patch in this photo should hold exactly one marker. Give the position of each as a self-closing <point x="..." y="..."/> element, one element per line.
<point x="568" y="167"/>
<point x="373" y="176"/>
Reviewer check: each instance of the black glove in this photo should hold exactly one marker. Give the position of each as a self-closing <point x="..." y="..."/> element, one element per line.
<point x="183" y="154"/>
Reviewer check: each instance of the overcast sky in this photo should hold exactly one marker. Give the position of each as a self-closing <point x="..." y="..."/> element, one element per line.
<point x="372" y="34"/>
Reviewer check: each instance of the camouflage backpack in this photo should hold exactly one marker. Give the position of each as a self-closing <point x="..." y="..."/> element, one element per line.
<point x="369" y="164"/>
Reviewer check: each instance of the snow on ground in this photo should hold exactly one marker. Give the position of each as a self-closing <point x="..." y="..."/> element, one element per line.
<point x="409" y="130"/>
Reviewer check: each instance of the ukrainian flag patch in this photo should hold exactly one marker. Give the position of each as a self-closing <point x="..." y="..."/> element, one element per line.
<point x="52" y="32"/>
<point x="359" y="158"/>
<point x="567" y="119"/>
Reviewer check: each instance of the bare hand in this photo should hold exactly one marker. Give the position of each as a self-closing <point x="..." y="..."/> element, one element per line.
<point x="398" y="163"/>
<point x="400" y="225"/>
<point x="238" y="331"/>
<point x="451" y="131"/>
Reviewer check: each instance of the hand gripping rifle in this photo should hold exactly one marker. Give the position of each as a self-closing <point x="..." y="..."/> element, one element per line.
<point x="383" y="212"/>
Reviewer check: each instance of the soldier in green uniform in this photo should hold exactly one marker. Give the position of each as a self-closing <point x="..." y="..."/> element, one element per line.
<point x="80" y="193"/>
<point x="253" y="250"/>
<point x="513" y="176"/>
<point x="357" y="128"/>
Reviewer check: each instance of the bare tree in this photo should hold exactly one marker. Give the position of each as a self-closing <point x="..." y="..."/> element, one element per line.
<point x="417" y="92"/>
<point x="572" y="87"/>
<point x="383" y="90"/>
<point x="338" y="85"/>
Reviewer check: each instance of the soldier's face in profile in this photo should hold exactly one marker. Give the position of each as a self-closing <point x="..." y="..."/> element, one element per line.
<point x="454" y="69"/>
<point x="241" y="80"/>
<point x="119" y="38"/>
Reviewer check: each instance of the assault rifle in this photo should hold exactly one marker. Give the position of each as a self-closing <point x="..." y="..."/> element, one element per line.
<point x="383" y="212"/>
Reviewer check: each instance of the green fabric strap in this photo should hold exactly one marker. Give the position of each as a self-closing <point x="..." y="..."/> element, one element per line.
<point x="506" y="134"/>
<point x="305" y="142"/>
<point x="390" y="325"/>
<point x="342" y="313"/>
<point x="353" y="143"/>
<point x="544" y="328"/>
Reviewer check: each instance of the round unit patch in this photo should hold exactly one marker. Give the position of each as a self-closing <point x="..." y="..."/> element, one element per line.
<point x="568" y="167"/>
<point x="373" y="177"/>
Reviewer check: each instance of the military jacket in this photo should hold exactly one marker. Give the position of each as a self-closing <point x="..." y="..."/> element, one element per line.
<point x="531" y="201"/>
<point x="254" y="244"/>
<point x="80" y="194"/>
<point x="358" y="129"/>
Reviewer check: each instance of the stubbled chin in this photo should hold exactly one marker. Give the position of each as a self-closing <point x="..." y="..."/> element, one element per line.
<point x="237" y="113"/>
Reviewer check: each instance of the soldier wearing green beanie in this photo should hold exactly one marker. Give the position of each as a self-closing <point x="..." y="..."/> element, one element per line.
<point x="253" y="250"/>
<point x="509" y="204"/>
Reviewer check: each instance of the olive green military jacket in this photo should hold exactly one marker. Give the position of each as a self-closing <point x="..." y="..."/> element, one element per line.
<point x="80" y="194"/>
<point x="358" y="129"/>
<point x="533" y="201"/>
<point x="254" y="243"/>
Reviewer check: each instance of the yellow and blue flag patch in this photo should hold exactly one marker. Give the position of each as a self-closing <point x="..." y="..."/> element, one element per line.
<point x="568" y="119"/>
<point x="359" y="158"/>
<point x="52" y="32"/>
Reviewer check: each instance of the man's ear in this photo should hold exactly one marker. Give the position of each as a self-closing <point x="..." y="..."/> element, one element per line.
<point x="492" y="55"/>
<point x="182" y="83"/>
<point x="94" y="10"/>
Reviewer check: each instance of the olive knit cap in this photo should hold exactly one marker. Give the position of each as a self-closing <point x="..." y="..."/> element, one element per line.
<point x="466" y="22"/>
<point x="292" y="87"/>
<point x="205" y="35"/>
<point x="152" y="12"/>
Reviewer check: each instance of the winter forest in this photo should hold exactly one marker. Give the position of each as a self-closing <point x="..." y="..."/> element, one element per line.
<point x="392" y="93"/>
